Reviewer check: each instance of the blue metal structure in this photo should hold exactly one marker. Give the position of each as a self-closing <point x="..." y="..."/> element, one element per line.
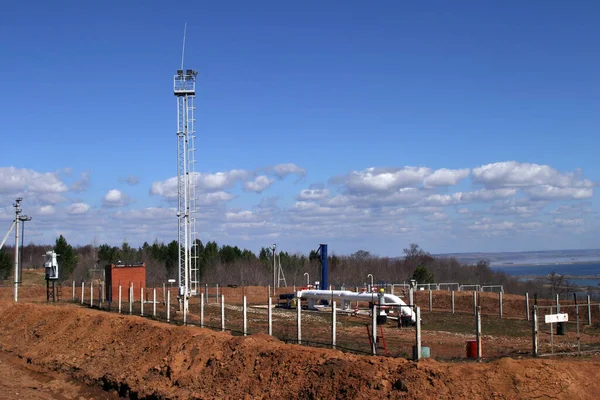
<point x="324" y="267"/>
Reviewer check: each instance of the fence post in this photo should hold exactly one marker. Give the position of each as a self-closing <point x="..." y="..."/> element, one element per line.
<point x="557" y="305"/>
<point x="131" y="299"/>
<point x="91" y="293"/>
<point x="589" y="306"/>
<point x="201" y="310"/>
<point x="82" y="291"/>
<point x="142" y="302"/>
<point x="475" y="302"/>
<point x="534" y="331"/>
<point x="168" y="305"/>
<point x="430" y="300"/>
<point x="73" y="291"/>
<point x="453" y="302"/>
<point x="222" y="313"/>
<point x="527" y="305"/>
<point x="217" y="293"/>
<point x="299" y="321"/>
<point x="245" y="311"/>
<point x="206" y="292"/>
<point x="270" y="316"/>
<point x="119" y="299"/>
<point x="500" y="299"/>
<point x="154" y="302"/>
<point x="374" y="330"/>
<point x="478" y="334"/>
<point x="333" y="325"/>
<point x="417" y="354"/>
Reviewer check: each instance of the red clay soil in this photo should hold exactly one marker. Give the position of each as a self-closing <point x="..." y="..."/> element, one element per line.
<point x="141" y="358"/>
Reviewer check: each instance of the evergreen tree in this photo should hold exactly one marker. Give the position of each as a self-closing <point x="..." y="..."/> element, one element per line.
<point x="5" y="265"/>
<point x="67" y="260"/>
<point x="422" y="275"/>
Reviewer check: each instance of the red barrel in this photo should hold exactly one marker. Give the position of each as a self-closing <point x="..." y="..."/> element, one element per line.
<point x="472" y="349"/>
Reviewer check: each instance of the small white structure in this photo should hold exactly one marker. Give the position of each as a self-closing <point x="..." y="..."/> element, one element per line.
<point x="51" y="265"/>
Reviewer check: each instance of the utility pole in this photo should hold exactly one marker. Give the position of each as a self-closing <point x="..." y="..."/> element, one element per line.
<point x="274" y="268"/>
<point x="18" y="218"/>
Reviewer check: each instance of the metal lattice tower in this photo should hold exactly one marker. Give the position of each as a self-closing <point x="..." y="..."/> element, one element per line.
<point x="184" y="88"/>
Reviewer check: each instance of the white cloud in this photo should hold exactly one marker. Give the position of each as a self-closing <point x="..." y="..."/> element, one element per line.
<point x="446" y="177"/>
<point x="205" y="182"/>
<point x="436" y="217"/>
<point x="131" y="180"/>
<point x="116" y="198"/>
<point x="19" y="179"/>
<point x="259" y="184"/>
<point x="214" y="198"/>
<point x="313" y="194"/>
<point x="78" y="208"/>
<point x="382" y="179"/>
<point x="489" y="226"/>
<point x="283" y="170"/>
<point x="46" y="210"/>
<point x="82" y="184"/>
<point x="240" y="216"/>
<point x="547" y="192"/>
<point x="568" y="222"/>
<point x="516" y="174"/>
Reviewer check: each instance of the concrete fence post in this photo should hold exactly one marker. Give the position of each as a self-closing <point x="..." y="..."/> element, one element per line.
<point x="417" y="355"/>
<point x="201" y="310"/>
<point x="270" y="316"/>
<point x="168" y="305"/>
<point x="206" y="292"/>
<point x="120" y="297"/>
<point x="374" y="330"/>
<point x="534" y="331"/>
<point x="527" y="305"/>
<point x="589" y="309"/>
<point x="299" y="322"/>
<point x="142" y="302"/>
<point x="154" y="302"/>
<point x="333" y="325"/>
<point x="82" y="292"/>
<point x="475" y="302"/>
<point x="245" y="315"/>
<point x="430" y="300"/>
<point x="478" y="333"/>
<point x="131" y="299"/>
<point x="73" y="291"/>
<point x="269" y="291"/>
<point x="500" y="299"/>
<point x="452" y="301"/>
<point x="557" y="305"/>
<point x="91" y="293"/>
<point x="223" y="313"/>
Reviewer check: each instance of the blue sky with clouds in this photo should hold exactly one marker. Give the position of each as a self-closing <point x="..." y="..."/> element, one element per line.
<point x="463" y="126"/>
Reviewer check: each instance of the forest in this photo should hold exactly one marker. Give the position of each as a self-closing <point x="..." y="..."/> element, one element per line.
<point x="230" y="265"/>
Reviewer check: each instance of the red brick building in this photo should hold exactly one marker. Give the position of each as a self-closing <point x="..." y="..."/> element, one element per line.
<point x="124" y="276"/>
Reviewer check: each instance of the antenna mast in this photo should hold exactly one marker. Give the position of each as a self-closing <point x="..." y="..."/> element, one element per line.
<point x="184" y="89"/>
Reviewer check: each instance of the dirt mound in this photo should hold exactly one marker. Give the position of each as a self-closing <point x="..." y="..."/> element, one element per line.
<point x="148" y="359"/>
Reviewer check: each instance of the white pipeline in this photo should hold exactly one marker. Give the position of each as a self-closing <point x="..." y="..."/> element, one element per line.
<point x="383" y="299"/>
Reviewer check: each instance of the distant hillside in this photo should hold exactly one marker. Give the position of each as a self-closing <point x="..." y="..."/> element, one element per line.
<point x="528" y="257"/>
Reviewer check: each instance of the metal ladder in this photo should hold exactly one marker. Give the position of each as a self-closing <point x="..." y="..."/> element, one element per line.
<point x="379" y="340"/>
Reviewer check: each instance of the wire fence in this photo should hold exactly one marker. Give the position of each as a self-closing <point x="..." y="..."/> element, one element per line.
<point x="500" y="325"/>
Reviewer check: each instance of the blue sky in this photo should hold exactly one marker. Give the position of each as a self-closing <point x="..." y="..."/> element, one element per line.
<point x="463" y="126"/>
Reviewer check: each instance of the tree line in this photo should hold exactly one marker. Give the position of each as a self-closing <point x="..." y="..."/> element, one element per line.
<point x="231" y="265"/>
